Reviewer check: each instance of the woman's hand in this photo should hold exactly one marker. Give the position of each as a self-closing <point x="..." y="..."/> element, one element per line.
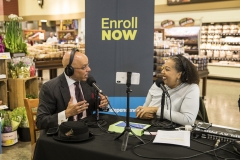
<point x="146" y="112"/>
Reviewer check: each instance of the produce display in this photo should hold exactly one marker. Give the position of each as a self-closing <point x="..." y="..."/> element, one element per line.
<point x="66" y="35"/>
<point x="33" y="34"/>
<point x="49" y="51"/>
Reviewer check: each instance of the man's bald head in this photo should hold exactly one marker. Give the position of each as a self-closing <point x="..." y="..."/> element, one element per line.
<point x="66" y="58"/>
<point x="79" y="64"/>
<point x="78" y="56"/>
<point x="51" y="34"/>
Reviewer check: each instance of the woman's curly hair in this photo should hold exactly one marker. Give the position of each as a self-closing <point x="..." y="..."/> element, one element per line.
<point x="189" y="72"/>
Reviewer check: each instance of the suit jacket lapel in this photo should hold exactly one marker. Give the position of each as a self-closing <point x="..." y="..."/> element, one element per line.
<point x="64" y="89"/>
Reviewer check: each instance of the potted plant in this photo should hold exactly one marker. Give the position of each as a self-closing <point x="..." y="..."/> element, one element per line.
<point x="13" y="35"/>
<point x="23" y="128"/>
<point x="9" y="125"/>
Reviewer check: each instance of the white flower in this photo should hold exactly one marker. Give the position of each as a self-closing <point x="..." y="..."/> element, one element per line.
<point x="20" y="18"/>
<point x="13" y="16"/>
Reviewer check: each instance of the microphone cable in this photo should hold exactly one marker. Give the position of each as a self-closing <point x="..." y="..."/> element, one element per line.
<point x="99" y="125"/>
<point x="165" y="124"/>
<point x="186" y="157"/>
<point x="216" y="146"/>
<point x="119" y="119"/>
<point x="194" y="139"/>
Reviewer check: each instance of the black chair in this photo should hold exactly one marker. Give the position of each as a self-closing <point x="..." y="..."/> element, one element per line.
<point x="202" y="113"/>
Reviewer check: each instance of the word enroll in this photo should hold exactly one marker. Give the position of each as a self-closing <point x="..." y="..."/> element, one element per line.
<point x="117" y="29"/>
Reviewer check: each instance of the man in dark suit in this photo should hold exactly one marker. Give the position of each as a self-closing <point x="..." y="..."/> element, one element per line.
<point x="57" y="100"/>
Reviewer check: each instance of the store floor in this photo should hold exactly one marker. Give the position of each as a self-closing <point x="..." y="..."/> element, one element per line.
<point x="221" y="105"/>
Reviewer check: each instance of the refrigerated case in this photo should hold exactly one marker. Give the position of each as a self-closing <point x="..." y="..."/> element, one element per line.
<point x="220" y="42"/>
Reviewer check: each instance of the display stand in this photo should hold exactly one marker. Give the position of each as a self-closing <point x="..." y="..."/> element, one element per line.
<point x="19" y="88"/>
<point x="127" y="129"/>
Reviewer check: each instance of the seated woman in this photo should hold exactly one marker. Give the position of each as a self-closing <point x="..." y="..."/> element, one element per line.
<point x="181" y="81"/>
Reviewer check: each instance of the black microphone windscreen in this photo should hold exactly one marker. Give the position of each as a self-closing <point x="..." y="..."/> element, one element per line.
<point x="90" y="80"/>
<point x="159" y="81"/>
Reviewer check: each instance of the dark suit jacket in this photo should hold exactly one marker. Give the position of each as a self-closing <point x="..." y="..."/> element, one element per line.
<point x="54" y="97"/>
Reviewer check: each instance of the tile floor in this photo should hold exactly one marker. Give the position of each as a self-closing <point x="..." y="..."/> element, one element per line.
<point x="221" y="104"/>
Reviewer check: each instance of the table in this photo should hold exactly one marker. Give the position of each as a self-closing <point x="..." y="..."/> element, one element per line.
<point x="103" y="146"/>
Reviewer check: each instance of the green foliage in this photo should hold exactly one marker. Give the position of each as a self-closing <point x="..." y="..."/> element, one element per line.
<point x="21" y="113"/>
<point x="7" y="126"/>
<point x="31" y="96"/>
<point x="11" y="66"/>
<point x="13" y="35"/>
<point x="7" y="120"/>
<point x="14" y="119"/>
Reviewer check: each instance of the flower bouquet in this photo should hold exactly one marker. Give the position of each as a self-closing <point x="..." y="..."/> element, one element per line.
<point x="11" y="120"/>
<point x="13" y="40"/>
<point x="9" y="125"/>
<point x="20" y="67"/>
<point x="2" y="46"/>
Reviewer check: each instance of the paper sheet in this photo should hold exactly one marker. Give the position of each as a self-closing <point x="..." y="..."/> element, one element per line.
<point x="3" y="107"/>
<point x="173" y="137"/>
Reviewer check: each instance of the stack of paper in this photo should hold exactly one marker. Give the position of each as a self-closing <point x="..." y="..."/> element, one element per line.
<point x="173" y="137"/>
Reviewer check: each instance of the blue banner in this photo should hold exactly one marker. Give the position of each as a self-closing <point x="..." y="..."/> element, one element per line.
<point x="119" y="38"/>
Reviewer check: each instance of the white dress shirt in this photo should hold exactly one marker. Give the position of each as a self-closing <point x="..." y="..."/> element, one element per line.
<point x="52" y="39"/>
<point x="62" y="115"/>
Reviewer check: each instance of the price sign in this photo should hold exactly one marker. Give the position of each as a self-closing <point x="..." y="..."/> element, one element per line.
<point x="5" y="55"/>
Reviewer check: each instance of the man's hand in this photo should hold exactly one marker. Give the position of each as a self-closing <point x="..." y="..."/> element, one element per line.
<point x="103" y="101"/>
<point x="146" y="112"/>
<point x="75" y="109"/>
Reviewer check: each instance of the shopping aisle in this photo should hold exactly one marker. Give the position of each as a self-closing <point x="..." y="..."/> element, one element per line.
<point x="221" y="104"/>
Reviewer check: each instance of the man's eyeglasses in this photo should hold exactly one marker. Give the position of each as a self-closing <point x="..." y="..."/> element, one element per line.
<point x="84" y="67"/>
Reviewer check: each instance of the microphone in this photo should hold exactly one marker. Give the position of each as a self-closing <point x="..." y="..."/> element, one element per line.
<point x="163" y="123"/>
<point x="160" y="83"/>
<point x="92" y="82"/>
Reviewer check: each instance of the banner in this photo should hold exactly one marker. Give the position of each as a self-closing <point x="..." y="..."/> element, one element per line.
<point x="186" y="22"/>
<point x="119" y="38"/>
<point x="167" y="23"/>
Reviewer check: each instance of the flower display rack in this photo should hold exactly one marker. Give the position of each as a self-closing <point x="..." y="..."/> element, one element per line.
<point x="3" y="91"/>
<point x="19" y="88"/>
<point x="3" y="82"/>
<point x="3" y="67"/>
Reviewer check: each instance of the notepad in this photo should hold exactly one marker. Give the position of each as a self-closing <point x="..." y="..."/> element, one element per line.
<point x="137" y="128"/>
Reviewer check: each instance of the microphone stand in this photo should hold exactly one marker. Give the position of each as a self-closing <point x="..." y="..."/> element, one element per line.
<point x="97" y="120"/>
<point x="127" y="129"/>
<point x="162" y="106"/>
<point x="161" y="122"/>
